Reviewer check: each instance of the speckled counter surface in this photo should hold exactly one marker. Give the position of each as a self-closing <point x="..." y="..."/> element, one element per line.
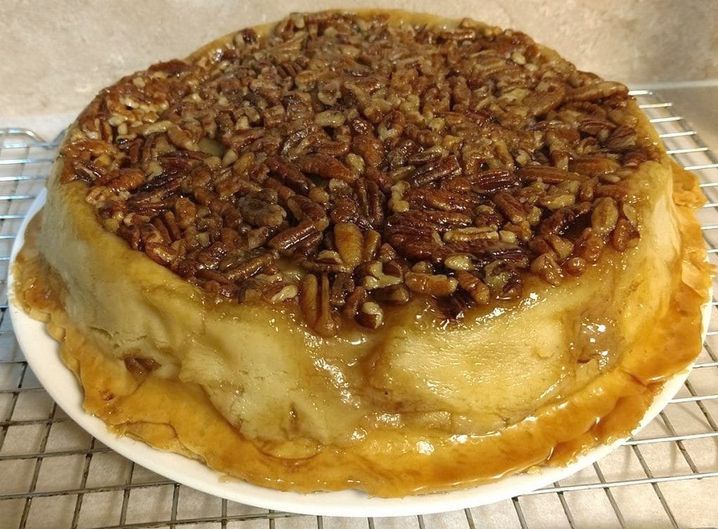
<point x="57" y="54"/>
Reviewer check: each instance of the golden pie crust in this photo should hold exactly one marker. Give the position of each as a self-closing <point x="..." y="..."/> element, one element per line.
<point x="413" y="407"/>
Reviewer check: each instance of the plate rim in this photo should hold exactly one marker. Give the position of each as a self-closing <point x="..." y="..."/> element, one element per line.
<point x="41" y="353"/>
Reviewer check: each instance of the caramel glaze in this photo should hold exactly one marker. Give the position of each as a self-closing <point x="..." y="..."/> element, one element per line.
<point x="179" y="417"/>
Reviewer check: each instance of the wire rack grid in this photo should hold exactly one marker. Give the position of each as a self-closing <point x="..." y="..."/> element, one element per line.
<point x="53" y="474"/>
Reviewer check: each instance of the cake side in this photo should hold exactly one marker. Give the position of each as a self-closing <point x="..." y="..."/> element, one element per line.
<point x="410" y="371"/>
<point x="178" y="416"/>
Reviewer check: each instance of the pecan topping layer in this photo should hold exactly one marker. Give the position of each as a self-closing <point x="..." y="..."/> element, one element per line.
<point x="347" y="163"/>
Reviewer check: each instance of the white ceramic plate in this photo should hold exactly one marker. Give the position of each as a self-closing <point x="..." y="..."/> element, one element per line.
<point x="41" y="352"/>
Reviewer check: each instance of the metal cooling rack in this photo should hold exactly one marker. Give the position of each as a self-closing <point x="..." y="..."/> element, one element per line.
<point x="54" y="475"/>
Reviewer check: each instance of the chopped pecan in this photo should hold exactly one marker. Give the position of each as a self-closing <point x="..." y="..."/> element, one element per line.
<point x="372" y="242"/>
<point x="342" y="285"/>
<point x="622" y="138"/>
<point x="575" y="266"/>
<point x="557" y="201"/>
<point x="376" y="276"/>
<point x="546" y="267"/>
<point x="473" y="286"/>
<point x="180" y="138"/>
<point x="393" y="295"/>
<point x="459" y="261"/>
<point x="625" y="235"/>
<point x="503" y="280"/>
<point x="140" y="366"/>
<point x="259" y="212"/>
<point x="284" y="193"/>
<point x="634" y="158"/>
<point x="330" y="118"/>
<point x="614" y="191"/>
<point x="353" y="301"/>
<point x="370" y="315"/>
<point x="596" y="126"/>
<point x="431" y="284"/>
<point x="589" y="246"/>
<point x="280" y="292"/>
<point x="561" y="246"/>
<point x="604" y="216"/>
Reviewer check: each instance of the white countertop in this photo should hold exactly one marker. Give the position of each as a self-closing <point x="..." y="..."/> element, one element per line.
<point x="57" y="55"/>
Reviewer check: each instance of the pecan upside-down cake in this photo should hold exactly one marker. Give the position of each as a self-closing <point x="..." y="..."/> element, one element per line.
<point x="372" y="250"/>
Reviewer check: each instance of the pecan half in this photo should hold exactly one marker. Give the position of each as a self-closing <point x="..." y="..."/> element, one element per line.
<point x="286" y="241"/>
<point x="314" y="300"/>
<point x="473" y="286"/>
<point x="326" y="167"/>
<point x="432" y="172"/>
